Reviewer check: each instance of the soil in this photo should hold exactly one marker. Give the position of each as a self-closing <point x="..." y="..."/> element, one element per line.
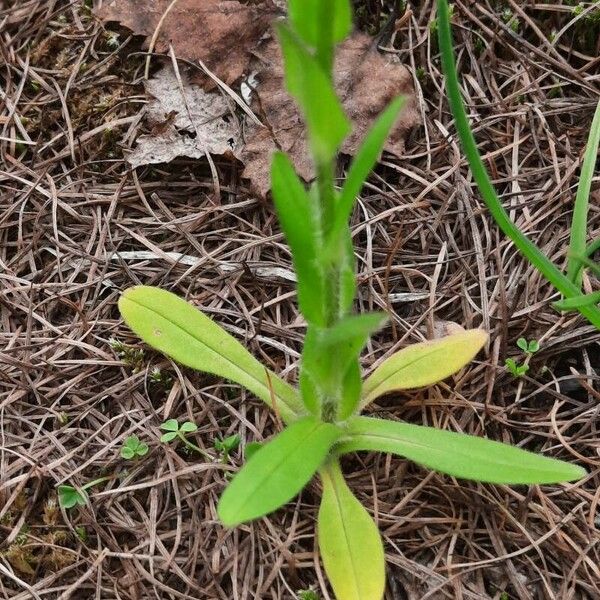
<point x="74" y="218"/>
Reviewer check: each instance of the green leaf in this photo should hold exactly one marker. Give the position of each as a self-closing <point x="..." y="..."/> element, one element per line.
<point x="364" y="161"/>
<point x="188" y="427"/>
<point x="142" y="449"/>
<point x="577" y="301"/>
<point x="305" y="17"/>
<point x="533" y="346"/>
<point x="68" y="497"/>
<point x="522" y="344"/>
<point x="275" y="474"/>
<point x="579" y="225"/>
<point x="228" y="444"/>
<point x="168" y="437"/>
<point x="172" y="326"/>
<point x="460" y="455"/>
<point x="127" y="452"/>
<point x="424" y="364"/>
<point x="353" y="330"/>
<point x="251" y="449"/>
<point x="170" y="425"/>
<point x="298" y="215"/>
<point x="350" y="544"/>
<point x="310" y="86"/>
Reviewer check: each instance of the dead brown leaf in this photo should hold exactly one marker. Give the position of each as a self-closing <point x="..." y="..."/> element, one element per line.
<point x="184" y="121"/>
<point x="366" y="81"/>
<point x="221" y="33"/>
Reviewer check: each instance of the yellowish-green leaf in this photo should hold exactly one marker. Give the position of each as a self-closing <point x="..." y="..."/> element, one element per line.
<point x="424" y="364"/>
<point x="278" y="471"/>
<point x="349" y="541"/>
<point x="457" y="454"/>
<point x="176" y="328"/>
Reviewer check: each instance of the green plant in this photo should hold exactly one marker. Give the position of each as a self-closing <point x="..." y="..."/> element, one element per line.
<point x="70" y="496"/>
<point x="308" y="595"/>
<point x="529" y="347"/>
<point x="518" y="370"/>
<point x="133" y="448"/>
<point x="227" y="445"/>
<point x="322" y="417"/>
<point x="569" y="284"/>
<point x="174" y="431"/>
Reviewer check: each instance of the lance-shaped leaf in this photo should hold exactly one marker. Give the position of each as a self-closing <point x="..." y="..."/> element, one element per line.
<point x="457" y="454"/>
<point x="350" y="544"/>
<point x="579" y="225"/>
<point x="278" y="471"/>
<point x="363" y="163"/>
<point x="300" y="223"/>
<point x="176" y="328"/>
<point x="424" y="364"/>
<point x="577" y="301"/>
<point x="305" y="16"/>
<point x="309" y="85"/>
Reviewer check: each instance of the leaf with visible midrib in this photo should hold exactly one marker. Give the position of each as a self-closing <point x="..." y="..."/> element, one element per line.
<point x="457" y="454"/>
<point x="423" y="364"/>
<point x="176" y="328"/>
<point x="349" y="541"/>
<point x="278" y="471"/>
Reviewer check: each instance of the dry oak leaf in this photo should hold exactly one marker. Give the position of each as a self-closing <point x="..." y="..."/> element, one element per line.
<point x="366" y="81"/>
<point x="221" y="33"/>
<point x="185" y="120"/>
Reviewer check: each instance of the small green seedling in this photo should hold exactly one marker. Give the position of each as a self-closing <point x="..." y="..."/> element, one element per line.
<point x="174" y="431"/>
<point x="227" y="445"/>
<point x="81" y="532"/>
<point x="159" y="377"/>
<point x="69" y="496"/>
<point x="517" y="370"/>
<point x="529" y="347"/>
<point x="134" y="448"/>
<point x="132" y="357"/>
<point x="308" y="595"/>
<point x="322" y="416"/>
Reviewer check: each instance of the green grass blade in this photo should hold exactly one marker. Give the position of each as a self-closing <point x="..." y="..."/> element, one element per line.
<point x="577" y="302"/>
<point x="559" y="280"/>
<point x="364" y="161"/>
<point x="176" y="328"/>
<point x="460" y="455"/>
<point x="299" y="220"/>
<point x="579" y="226"/>
<point x="420" y="365"/>
<point x="278" y="471"/>
<point x="349" y="542"/>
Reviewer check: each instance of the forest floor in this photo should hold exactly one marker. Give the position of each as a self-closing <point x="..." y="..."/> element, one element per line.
<point x="78" y="225"/>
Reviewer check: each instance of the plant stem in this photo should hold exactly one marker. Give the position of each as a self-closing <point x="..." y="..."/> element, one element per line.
<point x="193" y="446"/>
<point x="87" y="486"/>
